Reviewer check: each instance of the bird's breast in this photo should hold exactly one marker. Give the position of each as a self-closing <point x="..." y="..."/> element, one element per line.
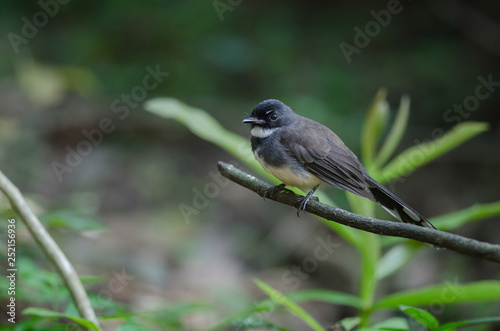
<point x="290" y="173"/>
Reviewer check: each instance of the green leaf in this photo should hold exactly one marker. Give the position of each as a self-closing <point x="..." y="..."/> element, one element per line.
<point x="421" y="154"/>
<point x="446" y="293"/>
<point x="280" y="298"/>
<point x="375" y="123"/>
<point x="264" y="305"/>
<point x="454" y="220"/>
<point x="453" y="325"/>
<point x="334" y="297"/>
<point x="423" y="317"/>
<point x="206" y="127"/>
<point x="391" y="324"/>
<point x="67" y="219"/>
<point x="394" y="136"/>
<point x="395" y="258"/>
<point x="93" y="279"/>
<point x="54" y="314"/>
<point x="132" y="326"/>
<point x="394" y="323"/>
<point x="252" y="322"/>
<point x="350" y="323"/>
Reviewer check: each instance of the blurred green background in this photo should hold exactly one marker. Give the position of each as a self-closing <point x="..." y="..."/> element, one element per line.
<point x="72" y="71"/>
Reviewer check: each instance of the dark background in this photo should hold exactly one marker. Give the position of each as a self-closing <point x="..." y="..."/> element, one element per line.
<point x="65" y="78"/>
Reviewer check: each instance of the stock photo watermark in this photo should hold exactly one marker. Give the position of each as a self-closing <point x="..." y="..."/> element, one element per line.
<point x="32" y="25"/>
<point x="363" y="37"/>
<point x="223" y="6"/>
<point x="122" y="107"/>
<point x="463" y="110"/>
<point x="11" y="271"/>
<point x="449" y="295"/>
<point x="455" y="115"/>
<point x="310" y="264"/>
<point x="296" y="274"/>
<point x="116" y="284"/>
<point x="202" y="196"/>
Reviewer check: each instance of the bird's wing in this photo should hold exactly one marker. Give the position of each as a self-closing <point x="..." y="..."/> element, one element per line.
<point x="325" y="156"/>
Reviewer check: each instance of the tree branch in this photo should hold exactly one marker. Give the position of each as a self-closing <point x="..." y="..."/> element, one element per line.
<point x="437" y="238"/>
<point x="50" y="248"/>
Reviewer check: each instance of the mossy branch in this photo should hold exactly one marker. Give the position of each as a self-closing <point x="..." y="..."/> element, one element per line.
<point x="433" y="237"/>
<point x="50" y="248"/>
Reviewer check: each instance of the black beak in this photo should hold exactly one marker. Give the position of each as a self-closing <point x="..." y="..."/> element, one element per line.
<point x="253" y="120"/>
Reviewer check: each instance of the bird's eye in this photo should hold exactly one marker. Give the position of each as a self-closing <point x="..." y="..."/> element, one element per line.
<point x="274" y="116"/>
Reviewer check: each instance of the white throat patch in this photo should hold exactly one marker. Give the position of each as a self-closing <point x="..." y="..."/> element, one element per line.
<point x="260" y="132"/>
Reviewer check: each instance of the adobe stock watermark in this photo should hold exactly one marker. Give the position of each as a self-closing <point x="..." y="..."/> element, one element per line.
<point x="470" y="104"/>
<point x="450" y="294"/>
<point x="223" y="6"/>
<point x="363" y="37"/>
<point x="122" y="107"/>
<point x="310" y="264"/>
<point x="202" y="196"/>
<point x="454" y="115"/>
<point x="32" y="25"/>
<point x="117" y="283"/>
<point x="296" y="274"/>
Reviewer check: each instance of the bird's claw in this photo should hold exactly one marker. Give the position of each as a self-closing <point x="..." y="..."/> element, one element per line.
<point x="302" y="205"/>
<point x="304" y="200"/>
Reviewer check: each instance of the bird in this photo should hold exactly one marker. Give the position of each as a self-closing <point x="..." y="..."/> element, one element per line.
<point x="303" y="153"/>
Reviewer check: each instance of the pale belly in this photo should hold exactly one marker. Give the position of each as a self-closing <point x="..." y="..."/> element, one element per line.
<point x="299" y="178"/>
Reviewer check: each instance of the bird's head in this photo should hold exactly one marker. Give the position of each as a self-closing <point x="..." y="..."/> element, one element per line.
<point x="270" y="114"/>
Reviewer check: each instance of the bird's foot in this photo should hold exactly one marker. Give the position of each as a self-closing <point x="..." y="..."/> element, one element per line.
<point x="304" y="200"/>
<point x="272" y="190"/>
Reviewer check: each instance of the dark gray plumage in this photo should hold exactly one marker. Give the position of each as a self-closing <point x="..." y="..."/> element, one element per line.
<point x="303" y="153"/>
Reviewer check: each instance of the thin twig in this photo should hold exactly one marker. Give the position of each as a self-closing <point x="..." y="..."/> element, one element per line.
<point x="50" y="248"/>
<point x="434" y="237"/>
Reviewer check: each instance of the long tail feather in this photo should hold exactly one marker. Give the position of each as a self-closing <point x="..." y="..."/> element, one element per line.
<point x="394" y="205"/>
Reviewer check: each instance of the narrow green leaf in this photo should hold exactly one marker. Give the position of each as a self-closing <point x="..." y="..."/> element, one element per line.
<point x="204" y="126"/>
<point x="421" y="154"/>
<point x="334" y="297"/>
<point x="289" y="304"/>
<point x="93" y="279"/>
<point x="132" y="326"/>
<point x="445" y="294"/>
<point x="423" y="317"/>
<point x="265" y="305"/>
<point x="393" y="323"/>
<point x="454" y="220"/>
<point x="475" y="321"/>
<point x="375" y="123"/>
<point x="71" y="220"/>
<point x="395" y="258"/>
<point x="350" y="323"/>
<point x="394" y="136"/>
<point x="54" y="314"/>
<point x="252" y="322"/>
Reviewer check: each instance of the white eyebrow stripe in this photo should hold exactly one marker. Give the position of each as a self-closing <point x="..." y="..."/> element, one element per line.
<point x="260" y="132"/>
